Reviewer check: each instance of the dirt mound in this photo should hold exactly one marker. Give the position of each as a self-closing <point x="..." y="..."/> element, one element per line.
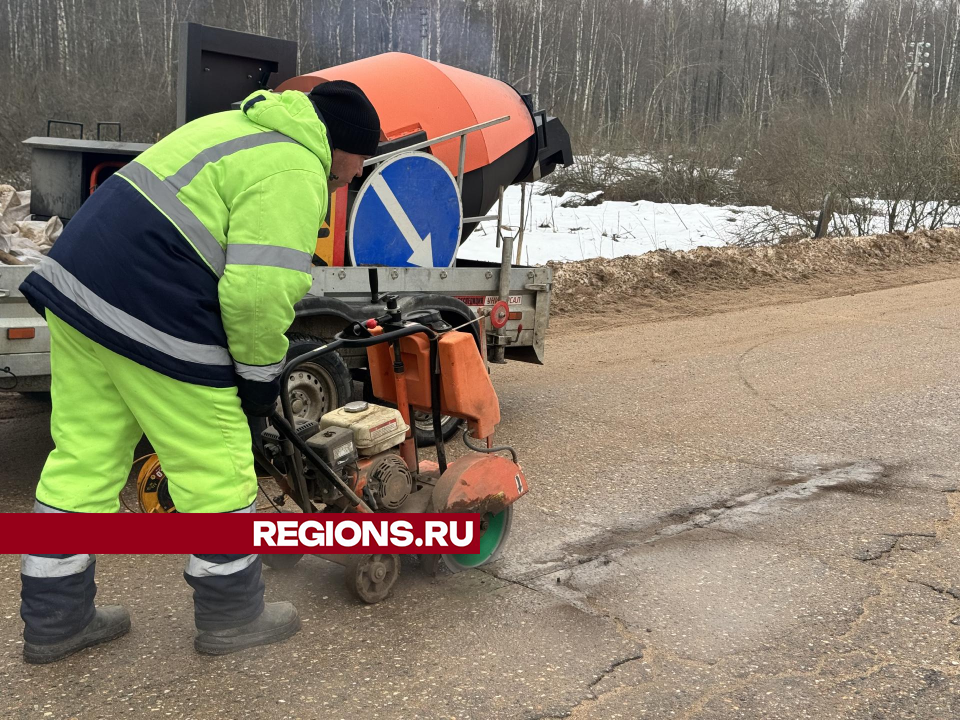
<point x="662" y="274"/>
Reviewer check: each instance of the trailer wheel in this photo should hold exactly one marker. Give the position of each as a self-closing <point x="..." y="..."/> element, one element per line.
<point x="316" y="387"/>
<point x="423" y="426"/>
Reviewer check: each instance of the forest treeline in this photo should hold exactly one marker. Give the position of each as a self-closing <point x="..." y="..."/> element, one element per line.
<point x="635" y="75"/>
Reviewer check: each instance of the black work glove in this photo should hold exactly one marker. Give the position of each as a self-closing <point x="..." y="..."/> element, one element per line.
<point x="258" y="399"/>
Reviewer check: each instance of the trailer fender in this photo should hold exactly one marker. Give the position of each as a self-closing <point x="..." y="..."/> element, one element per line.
<point x="454" y="311"/>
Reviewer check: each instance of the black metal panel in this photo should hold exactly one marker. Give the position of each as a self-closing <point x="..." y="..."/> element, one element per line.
<point x="219" y="67"/>
<point x="60" y="170"/>
<point x="56" y="182"/>
<point x="481" y="187"/>
<point x="555" y="149"/>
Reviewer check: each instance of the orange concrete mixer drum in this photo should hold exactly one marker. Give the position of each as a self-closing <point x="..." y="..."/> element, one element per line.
<point x="419" y="99"/>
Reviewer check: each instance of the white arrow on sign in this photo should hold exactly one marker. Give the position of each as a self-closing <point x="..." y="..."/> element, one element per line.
<point x="422" y="248"/>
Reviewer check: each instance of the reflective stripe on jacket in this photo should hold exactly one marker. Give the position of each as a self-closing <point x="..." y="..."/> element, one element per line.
<point x="189" y="259"/>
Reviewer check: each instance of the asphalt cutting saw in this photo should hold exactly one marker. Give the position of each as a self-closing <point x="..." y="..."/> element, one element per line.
<point x="363" y="457"/>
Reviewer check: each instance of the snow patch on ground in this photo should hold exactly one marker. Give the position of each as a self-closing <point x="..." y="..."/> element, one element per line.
<point x="609" y="230"/>
<point x="582" y="226"/>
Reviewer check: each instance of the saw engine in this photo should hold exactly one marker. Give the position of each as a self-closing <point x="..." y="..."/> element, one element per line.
<point x="361" y="442"/>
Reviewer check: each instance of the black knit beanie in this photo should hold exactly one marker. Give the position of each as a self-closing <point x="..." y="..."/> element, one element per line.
<point x="352" y="122"/>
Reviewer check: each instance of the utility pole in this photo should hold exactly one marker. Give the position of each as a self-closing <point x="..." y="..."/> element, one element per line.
<point x="915" y="66"/>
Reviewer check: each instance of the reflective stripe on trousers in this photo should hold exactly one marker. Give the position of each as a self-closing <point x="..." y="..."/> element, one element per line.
<point x="228" y="589"/>
<point x="57" y="592"/>
<point x="55" y="566"/>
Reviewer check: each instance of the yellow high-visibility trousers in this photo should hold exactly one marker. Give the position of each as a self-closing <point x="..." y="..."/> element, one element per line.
<point x="103" y="403"/>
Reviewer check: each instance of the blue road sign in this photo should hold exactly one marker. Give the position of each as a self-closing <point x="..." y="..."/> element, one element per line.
<point x="407" y="214"/>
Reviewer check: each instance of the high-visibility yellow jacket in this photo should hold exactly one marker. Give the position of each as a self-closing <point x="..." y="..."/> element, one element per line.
<point x="189" y="260"/>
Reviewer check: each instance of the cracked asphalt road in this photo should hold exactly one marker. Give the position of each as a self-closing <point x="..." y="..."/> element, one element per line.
<point x="746" y="515"/>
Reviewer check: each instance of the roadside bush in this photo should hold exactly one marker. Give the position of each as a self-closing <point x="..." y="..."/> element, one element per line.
<point x="879" y="170"/>
<point x="681" y="175"/>
<point x="884" y="172"/>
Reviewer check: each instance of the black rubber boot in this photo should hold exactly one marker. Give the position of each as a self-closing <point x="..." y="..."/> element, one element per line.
<point x="109" y="622"/>
<point x="278" y="621"/>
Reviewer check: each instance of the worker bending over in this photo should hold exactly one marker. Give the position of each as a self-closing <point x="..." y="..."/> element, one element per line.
<point x="168" y="296"/>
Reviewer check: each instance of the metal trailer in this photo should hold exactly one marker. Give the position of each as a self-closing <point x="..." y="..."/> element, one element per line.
<point x="338" y="296"/>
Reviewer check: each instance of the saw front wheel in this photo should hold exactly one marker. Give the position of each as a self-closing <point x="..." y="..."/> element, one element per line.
<point x="495" y="531"/>
<point x="371" y="577"/>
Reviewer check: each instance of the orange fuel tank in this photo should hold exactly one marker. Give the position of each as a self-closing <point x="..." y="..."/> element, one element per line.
<point x="465" y="388"/>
